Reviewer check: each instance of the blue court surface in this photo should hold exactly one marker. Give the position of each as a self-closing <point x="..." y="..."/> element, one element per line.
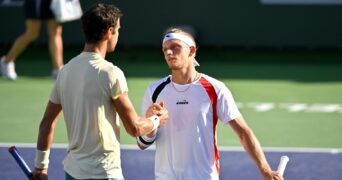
<point x="304" y="164"/>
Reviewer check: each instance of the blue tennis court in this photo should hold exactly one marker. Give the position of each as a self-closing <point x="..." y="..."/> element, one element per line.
<point x="304" y="164"/>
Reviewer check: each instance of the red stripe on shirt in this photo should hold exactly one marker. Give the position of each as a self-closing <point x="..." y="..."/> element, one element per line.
<point x="213" y="98"/>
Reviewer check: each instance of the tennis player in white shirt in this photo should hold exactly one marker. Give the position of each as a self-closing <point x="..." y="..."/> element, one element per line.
<point x="186" y="147"/>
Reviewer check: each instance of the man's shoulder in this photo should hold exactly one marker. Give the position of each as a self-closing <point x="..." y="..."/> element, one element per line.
<point x="157" y="83"/>
<point x="211" y="79"/>
<point x="110" y="68"/>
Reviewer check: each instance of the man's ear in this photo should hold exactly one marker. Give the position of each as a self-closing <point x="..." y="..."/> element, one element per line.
<point x="192" y="51"/>
<point x="108" y="33"/>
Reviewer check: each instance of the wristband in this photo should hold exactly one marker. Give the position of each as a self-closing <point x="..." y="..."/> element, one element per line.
<point x="42" y="159"/>
<point x="146" y="141"/>
<point x="155" y="120"/>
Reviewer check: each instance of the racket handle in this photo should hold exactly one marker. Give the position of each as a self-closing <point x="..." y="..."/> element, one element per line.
<point x="282" y="164"/>
<point x="20" y="161"/>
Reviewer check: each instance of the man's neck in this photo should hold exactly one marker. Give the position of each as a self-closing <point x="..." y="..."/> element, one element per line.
<point x="96" y="48"/>
<point x="186" y="77"/>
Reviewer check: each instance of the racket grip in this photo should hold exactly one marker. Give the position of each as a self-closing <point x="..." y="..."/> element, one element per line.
<point x="282" y="164"/>
<point x="20" y="161"/>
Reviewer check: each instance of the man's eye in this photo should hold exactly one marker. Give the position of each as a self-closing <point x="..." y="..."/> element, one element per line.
<point x="175" y="47"/>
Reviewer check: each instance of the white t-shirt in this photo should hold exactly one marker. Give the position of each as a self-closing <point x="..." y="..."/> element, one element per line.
<point x="85" y="88"/>
<point x="186" y="146"/>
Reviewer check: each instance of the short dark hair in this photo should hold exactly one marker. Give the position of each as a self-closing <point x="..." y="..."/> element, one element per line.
<point x="98" y="19"/>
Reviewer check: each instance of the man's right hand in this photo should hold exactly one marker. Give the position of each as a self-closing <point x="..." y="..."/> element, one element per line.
<point x="39" y="174"/>
<point x="163" y="114"/>
<point x="160" y="111"/>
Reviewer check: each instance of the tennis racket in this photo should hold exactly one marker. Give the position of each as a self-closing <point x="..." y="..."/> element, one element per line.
<point x="20" y="161"/>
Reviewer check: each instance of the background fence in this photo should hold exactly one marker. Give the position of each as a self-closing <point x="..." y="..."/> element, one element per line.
<point x="219" y="23"/>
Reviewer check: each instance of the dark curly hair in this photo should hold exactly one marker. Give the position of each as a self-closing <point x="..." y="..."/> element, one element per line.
<point x="98" y="19"/>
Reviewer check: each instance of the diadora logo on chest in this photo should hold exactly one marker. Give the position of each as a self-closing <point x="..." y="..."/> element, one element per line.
<point x="180" y="102"/>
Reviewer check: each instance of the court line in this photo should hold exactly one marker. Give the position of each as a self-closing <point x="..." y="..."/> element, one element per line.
<point x="221" y="148"/>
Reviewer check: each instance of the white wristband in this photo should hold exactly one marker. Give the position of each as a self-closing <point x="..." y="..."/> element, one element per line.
<point x="155" y="120"/>
<point x="42" y="159"/>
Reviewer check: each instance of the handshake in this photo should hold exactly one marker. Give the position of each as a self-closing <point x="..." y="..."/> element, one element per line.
<point x="158" y="114"/>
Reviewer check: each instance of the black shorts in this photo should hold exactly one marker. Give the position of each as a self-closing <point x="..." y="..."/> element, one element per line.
<point x="38" y="9"/>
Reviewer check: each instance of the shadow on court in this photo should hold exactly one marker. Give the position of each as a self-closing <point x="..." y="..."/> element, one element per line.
<point x="235" y="165"/>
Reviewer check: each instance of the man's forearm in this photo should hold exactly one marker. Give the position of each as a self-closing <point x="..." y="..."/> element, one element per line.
<point x="45" y="136"/>
<point x="253" y="148"/>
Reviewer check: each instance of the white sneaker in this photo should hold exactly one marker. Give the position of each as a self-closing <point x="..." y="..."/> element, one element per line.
<point x="8" y="70"/>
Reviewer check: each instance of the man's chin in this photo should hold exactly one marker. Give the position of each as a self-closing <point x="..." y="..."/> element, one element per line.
<point x="174" y="67"/>
<point x="110" y="50"/>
